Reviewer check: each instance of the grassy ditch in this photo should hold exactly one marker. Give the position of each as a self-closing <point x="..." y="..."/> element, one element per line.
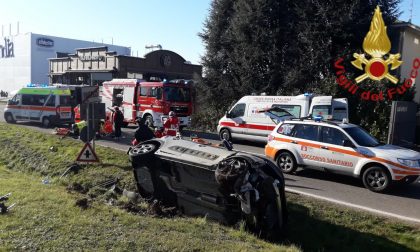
<point x="77" y="211"/>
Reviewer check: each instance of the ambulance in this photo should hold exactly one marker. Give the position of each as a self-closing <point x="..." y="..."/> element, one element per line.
<point x="48" y="105"/>
<point x="342" y="148"/>
<point x="245" y="120"/>
<point x="151" y="100"/>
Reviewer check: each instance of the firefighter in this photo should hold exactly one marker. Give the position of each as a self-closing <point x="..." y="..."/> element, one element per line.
<point x="171" y="126"/>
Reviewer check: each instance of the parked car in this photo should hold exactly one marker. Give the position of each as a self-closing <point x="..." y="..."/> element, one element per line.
<point x="204" y="180"/>
<point x="343" y="148"/>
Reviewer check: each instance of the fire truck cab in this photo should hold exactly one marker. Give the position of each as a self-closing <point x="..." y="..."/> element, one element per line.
<point x="151" y="100"/>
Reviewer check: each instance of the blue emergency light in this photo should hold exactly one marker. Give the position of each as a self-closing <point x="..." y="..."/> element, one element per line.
<point x="318" y="118"/>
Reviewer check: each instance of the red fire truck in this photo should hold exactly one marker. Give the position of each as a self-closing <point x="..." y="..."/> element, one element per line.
<point x="151" y="100"/>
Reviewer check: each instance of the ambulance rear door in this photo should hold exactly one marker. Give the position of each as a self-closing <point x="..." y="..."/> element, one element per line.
<point x="321" y="106"/>
<point x="340" y="109"/>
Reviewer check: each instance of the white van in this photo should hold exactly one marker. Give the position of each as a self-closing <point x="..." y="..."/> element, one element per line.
<point x="244" y="120"/>
<point x="45" y="104"/>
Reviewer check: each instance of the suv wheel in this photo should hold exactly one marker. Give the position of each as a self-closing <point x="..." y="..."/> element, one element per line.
<point x="225" y="134"/>
<point x="376" y="179"/>
<point x="286" y="162"/>
<point x="142" y="153"/>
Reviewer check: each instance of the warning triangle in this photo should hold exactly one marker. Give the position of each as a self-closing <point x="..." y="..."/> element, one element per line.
<point x="87" y="154"/>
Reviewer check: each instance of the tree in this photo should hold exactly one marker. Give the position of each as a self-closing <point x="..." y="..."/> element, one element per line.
<point x="286" y="47"/>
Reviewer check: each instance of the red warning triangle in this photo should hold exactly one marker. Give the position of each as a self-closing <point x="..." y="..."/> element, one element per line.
<point x="87" y="154"/>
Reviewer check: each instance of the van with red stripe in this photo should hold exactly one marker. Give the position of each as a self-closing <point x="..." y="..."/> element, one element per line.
<point x="244" y="120"/>
<point x="151" y="100"/>
<point x="341" y="148"/>
<point x="49" y="105"/>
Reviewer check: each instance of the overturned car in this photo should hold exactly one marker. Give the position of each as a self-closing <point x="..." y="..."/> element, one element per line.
<point x="204" y="180"/>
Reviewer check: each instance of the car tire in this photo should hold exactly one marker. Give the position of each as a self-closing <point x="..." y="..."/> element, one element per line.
<point x="46" y="122"/>
<point x="376" y="179"/>
<point x="142" y="153"/>
<point x="8" y="117"/>
<point x="225" y="134"/>
<point x="149" y="121"/>
<point x="286" y="162"/>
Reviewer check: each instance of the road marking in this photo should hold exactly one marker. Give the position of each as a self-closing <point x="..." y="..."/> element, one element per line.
<point x="372" y="210"/>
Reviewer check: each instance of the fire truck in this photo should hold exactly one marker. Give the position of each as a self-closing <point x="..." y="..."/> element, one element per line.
<point x="150" y="100"/>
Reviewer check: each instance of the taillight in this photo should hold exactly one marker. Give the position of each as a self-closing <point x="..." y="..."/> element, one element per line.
<point x="270" y="138"/>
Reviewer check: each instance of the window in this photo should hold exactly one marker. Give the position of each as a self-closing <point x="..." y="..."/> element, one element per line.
<point x="65" y="100"/>
<point x="322" y="110"/>
<point x="332" y="136"/>
<point x="144" y="91"/>
<point x="362" y="137"/>
<point x="292" y="109"/>
<point x="339" y="114"/>
<point x="286" y="129"/>
<point x="34" y="100"/>
<point x="156" y="92"/>
<point x="306" y="131"/>
<point x="177" y="94"/>
<point x="15" y="100"/>
<point x="51" y="101"/>
<point x="238" y="110"/>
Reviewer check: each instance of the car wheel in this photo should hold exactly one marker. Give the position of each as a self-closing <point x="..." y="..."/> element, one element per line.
<point x="142" y="153"/>
<point x="286" y="162"/>
<point x="46" y="122"/>
<point x="149" y="121"/>
<point x="409" y="180"/>
<point x="9" y="118"/>
<point x="376" y="179"/>
<point x="225" y="134"/>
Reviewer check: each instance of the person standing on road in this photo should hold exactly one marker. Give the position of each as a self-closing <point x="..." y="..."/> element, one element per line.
<point x="171" y="126"/>
<point x="118" y="119"/>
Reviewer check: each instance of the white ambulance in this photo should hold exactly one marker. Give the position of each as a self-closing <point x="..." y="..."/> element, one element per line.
<point x="342" y="148"/>
<point x="244" y="120"/>
<point x="40" y="103"/>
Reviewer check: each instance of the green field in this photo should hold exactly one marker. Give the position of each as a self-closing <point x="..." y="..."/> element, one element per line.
<point x="48" y="216"/>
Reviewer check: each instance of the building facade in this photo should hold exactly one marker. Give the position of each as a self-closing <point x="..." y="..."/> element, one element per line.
<point x="96" y="65"/>
<point x="24" y="57"/>
<point x="406" y="38"/>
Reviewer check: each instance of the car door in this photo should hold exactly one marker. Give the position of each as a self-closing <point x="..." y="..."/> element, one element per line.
<point x="236" y="120"/>
<point x="338" y="158"/>
<point x="305" y="137"/>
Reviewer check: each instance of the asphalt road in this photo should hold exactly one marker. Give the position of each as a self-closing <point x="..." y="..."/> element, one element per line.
<point x="402" y="202"/>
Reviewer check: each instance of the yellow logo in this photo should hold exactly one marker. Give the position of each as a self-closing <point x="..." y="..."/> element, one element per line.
<point x="377" y="45"/>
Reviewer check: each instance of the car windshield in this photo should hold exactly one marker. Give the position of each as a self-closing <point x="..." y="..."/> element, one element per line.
<point x="177" y="94"/>
<point x="362" y="137"/>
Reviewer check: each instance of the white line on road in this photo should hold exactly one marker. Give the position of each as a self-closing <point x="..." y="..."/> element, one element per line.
<point x="372" y="210"/>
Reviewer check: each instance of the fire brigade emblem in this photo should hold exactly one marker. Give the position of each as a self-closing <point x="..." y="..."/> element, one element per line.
<point x="377" y="45"/>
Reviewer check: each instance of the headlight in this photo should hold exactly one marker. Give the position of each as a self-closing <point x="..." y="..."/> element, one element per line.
<point x="409" y="163"/>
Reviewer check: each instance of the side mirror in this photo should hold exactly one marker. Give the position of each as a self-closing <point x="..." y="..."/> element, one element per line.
<point x="348" y="143"/>
<point x="228" y="115"/>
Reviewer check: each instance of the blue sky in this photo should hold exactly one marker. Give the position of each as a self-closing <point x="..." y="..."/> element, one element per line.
<point x="135" y="23"/>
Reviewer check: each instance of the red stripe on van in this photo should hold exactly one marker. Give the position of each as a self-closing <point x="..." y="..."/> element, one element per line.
<point x="248" y="126"/>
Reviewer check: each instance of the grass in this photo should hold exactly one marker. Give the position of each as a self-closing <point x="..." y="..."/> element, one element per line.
<point x="47" y="218"/>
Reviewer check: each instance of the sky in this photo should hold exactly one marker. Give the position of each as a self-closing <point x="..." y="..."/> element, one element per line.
<point x="174" y="24"/>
